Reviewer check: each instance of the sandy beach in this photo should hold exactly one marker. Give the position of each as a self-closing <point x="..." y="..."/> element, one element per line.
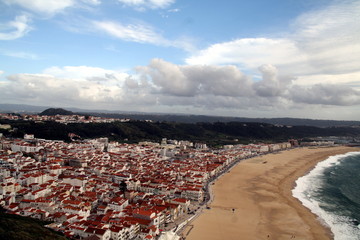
<point x="254" y="200"/>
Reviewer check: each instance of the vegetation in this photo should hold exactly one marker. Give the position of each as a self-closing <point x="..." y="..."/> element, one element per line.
<point x="55" y="111"/>
<point x="212" y="119"/>
<point x="15" y="227"/>
<point x="211" y="133"/>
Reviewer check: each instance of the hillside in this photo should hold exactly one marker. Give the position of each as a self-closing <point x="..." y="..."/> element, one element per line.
<point x="14" y="227"/>
<point x="180" y="118"/>
<point x="55" y="111"/>
<point x="211" y="133"/>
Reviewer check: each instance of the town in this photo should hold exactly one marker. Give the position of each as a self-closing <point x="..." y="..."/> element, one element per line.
<point x="112" y="190"/>
<point x="102" y="189"/>
<point x="65" y="119"/>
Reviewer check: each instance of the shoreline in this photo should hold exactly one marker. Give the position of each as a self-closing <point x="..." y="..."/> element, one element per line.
<point x="254" y="199"/>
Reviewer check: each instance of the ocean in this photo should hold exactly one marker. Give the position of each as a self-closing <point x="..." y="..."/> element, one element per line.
<point x="332" y="192"/>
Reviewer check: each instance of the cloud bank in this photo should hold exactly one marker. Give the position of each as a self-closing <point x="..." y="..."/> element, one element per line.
<point x="163" y="84"/>
<point x="68" y="85"/>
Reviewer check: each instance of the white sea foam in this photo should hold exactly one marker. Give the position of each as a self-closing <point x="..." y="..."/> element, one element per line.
<point x="306" y="189"/>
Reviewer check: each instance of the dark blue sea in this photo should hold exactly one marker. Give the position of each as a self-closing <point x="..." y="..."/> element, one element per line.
<point x="332" y="191"/>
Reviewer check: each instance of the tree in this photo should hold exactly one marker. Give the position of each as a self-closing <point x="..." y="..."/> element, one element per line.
<point x="123" y="187"/>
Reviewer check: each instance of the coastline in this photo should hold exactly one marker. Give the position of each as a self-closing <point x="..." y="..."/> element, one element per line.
<point x="254" y="200"/>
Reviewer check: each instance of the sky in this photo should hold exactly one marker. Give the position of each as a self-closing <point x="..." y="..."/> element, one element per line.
<point x="251" y="58"/>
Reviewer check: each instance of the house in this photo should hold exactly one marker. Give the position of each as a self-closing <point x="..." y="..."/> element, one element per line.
<point x="184" y="203"/>
<point x="9" y="187"/>
<point x="119" y="232"/>
<point x="102" y="234"/>
<point x="147" y="214"/>
<point x="118" y="203"/>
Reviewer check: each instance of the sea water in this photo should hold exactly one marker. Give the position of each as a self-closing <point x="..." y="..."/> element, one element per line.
<point x="332" y="192"/>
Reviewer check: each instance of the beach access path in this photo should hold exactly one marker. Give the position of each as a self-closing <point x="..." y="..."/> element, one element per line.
<point x="254" y="200"/>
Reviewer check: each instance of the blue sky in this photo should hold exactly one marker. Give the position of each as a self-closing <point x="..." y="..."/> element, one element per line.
<point x="259" y="58"/>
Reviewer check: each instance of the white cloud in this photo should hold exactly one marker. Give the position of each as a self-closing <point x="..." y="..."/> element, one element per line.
<point x="16" y="28"/>
<point x="323" y="42"/>
<point x="349" y="79"/>
<point x="1" y="72"/>
<point x="174" y="10"/>
<point x="141" y="33"/>
<point x="144" y="4"/>
<point x="92" y="2"/>
<point x="48" y="7"/>
<point x="44" y="8"/>
<point x="250" y="53"/>
<point x="330" y="37"/>
<point x="23" y="55"/>
<point x="87" y="73"/>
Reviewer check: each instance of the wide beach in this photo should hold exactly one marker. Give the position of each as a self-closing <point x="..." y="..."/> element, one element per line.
<point x="254" y="200"/>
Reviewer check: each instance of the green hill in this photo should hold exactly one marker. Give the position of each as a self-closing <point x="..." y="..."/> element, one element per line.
<point x="210" y="133"/>
<point x="55" y="111"/>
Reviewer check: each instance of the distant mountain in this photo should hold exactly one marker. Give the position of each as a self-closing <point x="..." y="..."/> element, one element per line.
<point x="182" y="118"/>
<point x="55" y="111"/>
<point x="21" y="108"/>
<point x="214" y="134"/>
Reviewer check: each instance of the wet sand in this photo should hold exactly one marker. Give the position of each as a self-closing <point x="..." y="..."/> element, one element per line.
<point x="259" y="191"/>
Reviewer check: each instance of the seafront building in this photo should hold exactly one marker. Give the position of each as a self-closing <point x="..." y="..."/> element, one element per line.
<point x="107" y="190"/>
